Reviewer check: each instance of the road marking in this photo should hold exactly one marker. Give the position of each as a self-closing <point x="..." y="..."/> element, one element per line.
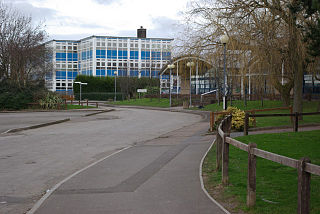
<point x="49" y="192"/>
<point x="202" y="184"/>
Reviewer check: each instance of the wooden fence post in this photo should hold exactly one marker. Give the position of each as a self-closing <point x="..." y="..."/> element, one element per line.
<point x="229" y="125"/>
<point x="87" y="102"/>
<point x="218" y="151"/>
<point x="211" y="121"/>
<point x="296" y="122"/>
<point x="225" y="153"/>
<point x="291" y="112"/>
<point x="254" y="120"/>
<point x="303" y="187"/>
<point x="97" y="105"/>
<point x="251" y="182"/>
<point x="246" y="124"/>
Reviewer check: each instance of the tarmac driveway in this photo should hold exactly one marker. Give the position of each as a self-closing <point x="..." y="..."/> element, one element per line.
<point x="33" y="161"/>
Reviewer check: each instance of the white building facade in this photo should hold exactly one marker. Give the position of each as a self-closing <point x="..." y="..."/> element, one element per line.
<point x="104" y="56"/>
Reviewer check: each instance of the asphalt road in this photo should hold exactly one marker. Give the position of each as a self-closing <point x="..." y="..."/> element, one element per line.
<point x="24" y="119"/>
<point x="156" y="176"/>
<point x="33" y="161"/>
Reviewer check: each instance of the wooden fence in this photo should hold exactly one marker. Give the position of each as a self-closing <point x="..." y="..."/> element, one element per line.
<point x="304" y="166"/>
<point x="61" y="106"/>
<point x="87" y="102"/>
<point x="294" y="119"/>
<point x="214" y="115"/>
<point x="67" y="97"/>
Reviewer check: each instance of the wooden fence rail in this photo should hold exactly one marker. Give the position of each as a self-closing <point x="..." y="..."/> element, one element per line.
<point x="295" y="119"/>
<point x="304" y="166"/>
<point x="87" y="102"/>
<point x="214" y="115"/>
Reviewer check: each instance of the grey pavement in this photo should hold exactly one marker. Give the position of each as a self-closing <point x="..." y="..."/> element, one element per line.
<point x="23" y="119"/>
<point x="33" y="161"/>
<point x="156" y="176"/>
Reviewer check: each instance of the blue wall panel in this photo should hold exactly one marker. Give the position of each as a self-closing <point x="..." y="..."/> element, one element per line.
<point x="100" y="72"/>
<point x="61" y="75"/>
<point x="134" y="54"/>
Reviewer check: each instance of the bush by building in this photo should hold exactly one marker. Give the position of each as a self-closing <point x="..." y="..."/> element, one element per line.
<point x="102" y="88"/>
<point x="13" y="97"/>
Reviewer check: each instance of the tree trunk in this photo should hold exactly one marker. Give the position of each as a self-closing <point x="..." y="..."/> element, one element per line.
<point x="284" y="90"/>
<point x="296" y="61"/>
<point x="297" y="91"/>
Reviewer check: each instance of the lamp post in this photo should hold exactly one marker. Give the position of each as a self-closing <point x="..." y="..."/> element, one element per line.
<point x="190" y="64"/>
<point x="81" y="83"/>
<point x="171" y="66"/>
<point x="224" y="40"/>
<point x="115" y="85"/>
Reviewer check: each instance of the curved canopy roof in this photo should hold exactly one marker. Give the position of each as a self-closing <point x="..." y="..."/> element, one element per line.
<point x="181" y="68"/>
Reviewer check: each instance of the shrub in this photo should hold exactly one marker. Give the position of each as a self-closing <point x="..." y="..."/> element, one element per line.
<point x="237" y="118"/>
<point x="99" y="96"/>
<point x="102" y="88"/>
<point x="50" y="101"/>
<point x="13" y="97"/>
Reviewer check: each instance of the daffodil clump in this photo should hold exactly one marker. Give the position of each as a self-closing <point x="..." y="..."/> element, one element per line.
<point x="237" y="118"/>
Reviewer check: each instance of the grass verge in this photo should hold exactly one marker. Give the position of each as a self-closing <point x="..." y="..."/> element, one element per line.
<point x="308" y="106"/>
<point x="70" y="107"/>
<point x="276" y="184"/>
<point x="154" y="102"/>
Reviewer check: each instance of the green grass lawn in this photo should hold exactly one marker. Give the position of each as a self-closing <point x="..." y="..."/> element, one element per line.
<point x="276" y="184"/>
<point x="308" y="106"/>
<point x="261" y="122"/>
<point x="154" y="102"/>
<point x="69" y="106"/>
<point x="240" y="104"/>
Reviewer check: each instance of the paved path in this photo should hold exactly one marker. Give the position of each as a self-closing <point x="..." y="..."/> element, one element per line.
<point x="33" y="161"/>
<point x="156" y="176"/>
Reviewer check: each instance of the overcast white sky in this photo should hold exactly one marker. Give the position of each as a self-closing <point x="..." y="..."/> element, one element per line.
<point x="76" y="19"/>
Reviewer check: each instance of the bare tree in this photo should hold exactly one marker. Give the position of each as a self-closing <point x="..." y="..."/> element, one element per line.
<point x="23" y="56"/>
<point x="271" y="31"/>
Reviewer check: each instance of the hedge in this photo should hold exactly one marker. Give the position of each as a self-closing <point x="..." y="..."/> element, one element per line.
<point x="99" y="96"/>
<point x="14" y="98"/>
<point x="102" y="88"/>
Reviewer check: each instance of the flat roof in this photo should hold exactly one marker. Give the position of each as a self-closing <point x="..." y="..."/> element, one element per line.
<point x="111" y="37"/>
